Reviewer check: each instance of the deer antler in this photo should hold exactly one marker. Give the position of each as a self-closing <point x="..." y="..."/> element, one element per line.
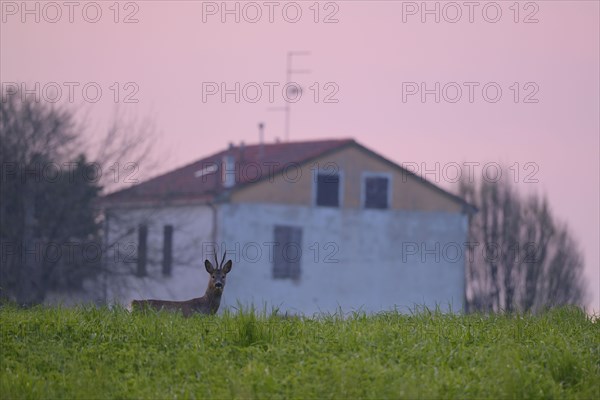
<point x="216" y="259"/>
<point x="223" y="260"/>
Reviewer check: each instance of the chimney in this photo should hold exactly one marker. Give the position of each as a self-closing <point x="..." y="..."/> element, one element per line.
<point x="228" y="168"/>
<point x="228" y="171"/>
<point x="242" y="148"/>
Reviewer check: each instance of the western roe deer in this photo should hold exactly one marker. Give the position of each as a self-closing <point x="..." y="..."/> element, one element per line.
<point x="207" y="304"/>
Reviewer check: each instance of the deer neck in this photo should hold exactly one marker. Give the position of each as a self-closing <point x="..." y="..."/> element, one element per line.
<point x="213" y="296"/>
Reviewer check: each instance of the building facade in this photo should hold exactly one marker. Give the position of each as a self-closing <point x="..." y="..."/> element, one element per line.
<point x="310" y="226"/>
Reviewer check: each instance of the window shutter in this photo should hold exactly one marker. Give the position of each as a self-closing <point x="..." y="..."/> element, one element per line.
<point x="328" y="190"/>
<point x="167" y="263"/>
<point x="376" y="192"/>
<point x="287" y="252"/>
<point x="294" y="252"/>
<point x="142" y="250"/>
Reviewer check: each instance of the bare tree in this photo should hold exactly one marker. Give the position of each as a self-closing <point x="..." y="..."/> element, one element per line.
<point x="50" y="218"/>
<point x="520" y="257"/>
<point x="123" y="149"/>
<point x="46" y="197"/>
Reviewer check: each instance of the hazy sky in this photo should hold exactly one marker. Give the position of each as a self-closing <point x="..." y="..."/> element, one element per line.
<point x="515" y="83"/>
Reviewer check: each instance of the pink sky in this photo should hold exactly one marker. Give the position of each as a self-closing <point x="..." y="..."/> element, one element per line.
<point x="369" y="54"/>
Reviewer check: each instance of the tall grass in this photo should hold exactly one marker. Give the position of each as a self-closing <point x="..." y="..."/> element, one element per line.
<point x="109" y="353"/>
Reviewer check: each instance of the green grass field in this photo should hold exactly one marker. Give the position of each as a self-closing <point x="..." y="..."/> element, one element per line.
<point x="89" y="353"/>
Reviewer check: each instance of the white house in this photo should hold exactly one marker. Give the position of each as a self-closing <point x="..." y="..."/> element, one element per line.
<point x="310" y="226"/>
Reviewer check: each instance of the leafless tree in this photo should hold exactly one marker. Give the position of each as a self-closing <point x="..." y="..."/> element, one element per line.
<point x="50" y="218"/>
<point x="520" y="257"/>
<point x="38" y="153"/>
<point x="123" y="150"/>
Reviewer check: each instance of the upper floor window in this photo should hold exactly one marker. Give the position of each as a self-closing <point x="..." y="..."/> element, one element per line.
<point x="376" y="191"/>
<point x="328" y="189"/>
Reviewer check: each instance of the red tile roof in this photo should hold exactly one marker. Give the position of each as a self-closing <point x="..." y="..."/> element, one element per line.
<point x="187" y="184"/>
<point x="184" y="183"/>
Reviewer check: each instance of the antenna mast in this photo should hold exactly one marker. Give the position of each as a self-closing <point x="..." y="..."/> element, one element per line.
<point x="289" y="71"/>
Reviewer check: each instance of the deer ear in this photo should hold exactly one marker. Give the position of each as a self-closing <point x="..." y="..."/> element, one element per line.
<point x="209" y="268"/>
<point x="227" y="266"/>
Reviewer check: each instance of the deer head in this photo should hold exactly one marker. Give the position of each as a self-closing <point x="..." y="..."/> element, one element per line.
<point x="218" y="273"/>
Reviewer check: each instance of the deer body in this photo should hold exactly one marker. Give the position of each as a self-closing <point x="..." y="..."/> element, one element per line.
<point x="207" y="304"/>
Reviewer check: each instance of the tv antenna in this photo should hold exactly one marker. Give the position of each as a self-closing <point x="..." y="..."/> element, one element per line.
<point x="289" y="72"/>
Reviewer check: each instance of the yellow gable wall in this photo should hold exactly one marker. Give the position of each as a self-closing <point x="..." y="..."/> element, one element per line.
<point x="296" y="188"/>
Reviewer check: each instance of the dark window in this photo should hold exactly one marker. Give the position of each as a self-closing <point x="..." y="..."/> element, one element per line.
<point x="167" y="262"/>
<point x="328" y="190"/>
<point x="287" y="252"/>
<point x="376" y="192"/>
<point x="142" y="250"/>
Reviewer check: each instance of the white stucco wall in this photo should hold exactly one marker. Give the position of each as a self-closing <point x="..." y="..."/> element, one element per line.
<point x="376" y="269"/>
<point x="368" y="260"/>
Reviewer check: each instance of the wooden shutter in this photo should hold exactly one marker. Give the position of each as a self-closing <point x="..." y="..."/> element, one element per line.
<point x="328" y="190"/>
<point x="287" y="252"/>
<point x="376" y="192"/>
<point x="142" y="250"/>
<point x="167" y="262"/>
